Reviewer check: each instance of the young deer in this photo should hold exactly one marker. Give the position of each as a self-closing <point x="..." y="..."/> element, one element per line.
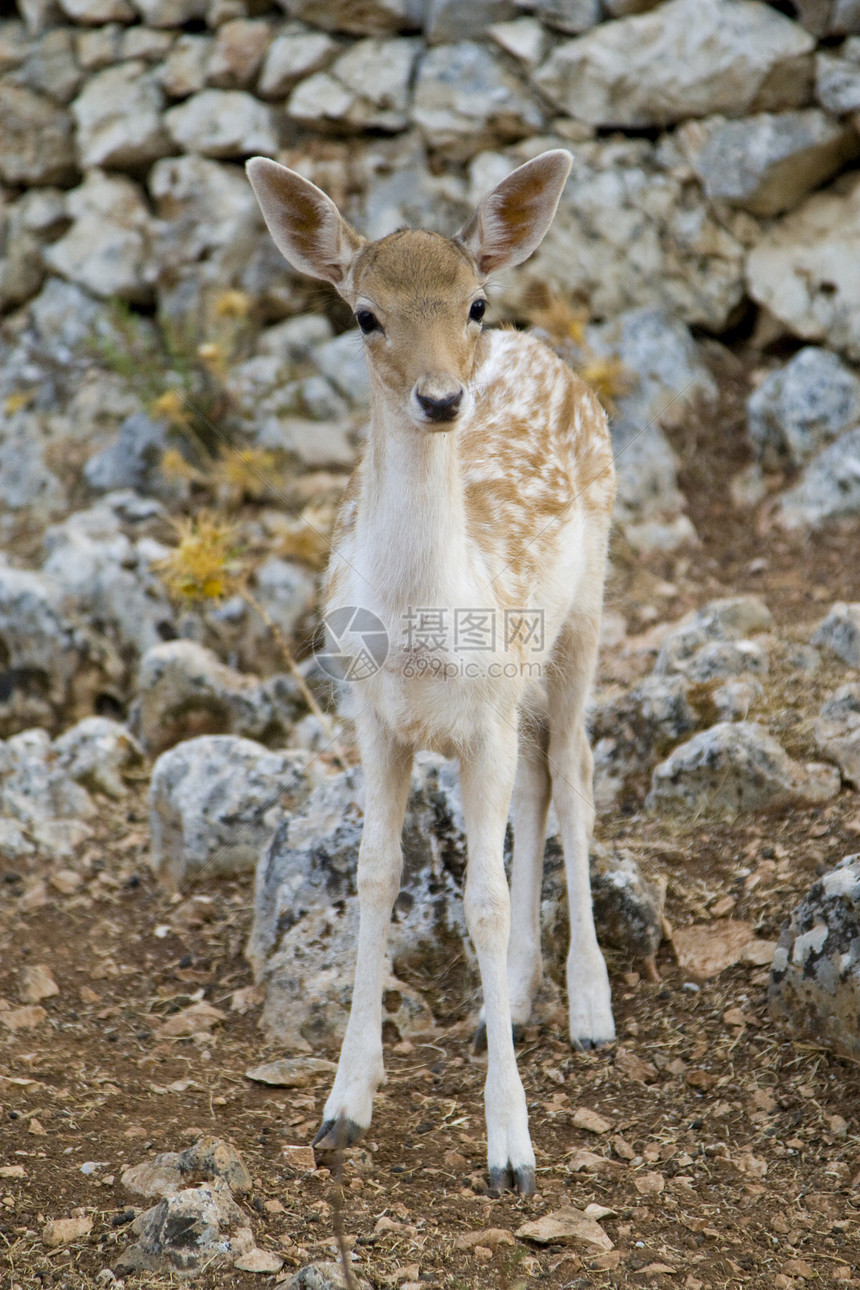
<point x="486" y="487"/>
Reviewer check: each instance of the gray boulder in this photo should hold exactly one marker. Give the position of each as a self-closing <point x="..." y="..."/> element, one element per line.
<point x="184" y="691"/>
<point x="767" y="163"/>
<point x="839" y="632"/>
<point x="367" y="88"/>
<point x="802" y="406"/>
<point x="293" y="55"/>
<point x="466" y="100"/>
<point x="630" y="231"/>
<point x="687" y="58"/>
<point x="815" y="976"/>
<point x="222" y="123"/>
<point x="215" y="801"/>
<point x="797" y="269"/>
<point x="837" y="80"/>
<point x="837" y="732"/>
<point x="96" y="753"/>
<point x="828" y="489"/>
<point x="34" y="789"/>
<point x="195" y="1229"/>
<point x="696" y="647"/>
<point x="37" y="139"/>
<point x="448" y="21"/>
<point x="41" y="651"/>
<point x="118" y="115"/>
<point x="108" y="249"/>
<point x="133" y="460"/>
<point x="737" y="766"/>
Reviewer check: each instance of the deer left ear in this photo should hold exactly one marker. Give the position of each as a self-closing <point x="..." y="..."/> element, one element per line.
<point x="305" y="224"/>
<point x="511" y="221"/>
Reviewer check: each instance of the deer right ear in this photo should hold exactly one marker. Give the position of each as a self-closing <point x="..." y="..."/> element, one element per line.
<point x="305" y="224"/>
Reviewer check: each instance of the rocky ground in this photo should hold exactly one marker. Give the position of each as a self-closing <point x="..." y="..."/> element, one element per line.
<point x="719" y="1148"/>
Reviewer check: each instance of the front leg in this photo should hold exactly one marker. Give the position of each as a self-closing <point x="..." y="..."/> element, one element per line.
<point x="387" y="767"/>
<point x="487" y="779"/>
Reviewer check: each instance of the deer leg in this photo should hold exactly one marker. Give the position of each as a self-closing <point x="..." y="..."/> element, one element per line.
<point x="529" y="811"/>
<point x="487" y="781"/>
<point x="387" y="768"/>
<point x="571" y="766"/>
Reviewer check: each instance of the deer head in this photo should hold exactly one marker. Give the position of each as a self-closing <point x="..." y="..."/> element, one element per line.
<point x="417" y="297"/>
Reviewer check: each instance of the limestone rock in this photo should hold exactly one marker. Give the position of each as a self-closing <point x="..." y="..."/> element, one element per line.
<point x="467" y="100"/>
<point x="52" y="67"/>
<point x="628" y="907"/>
<point x="222" y="123"/>
<point x="133" y="460"/>
<point x="37" y="139"/>
<point x="829" y="488"/>
<point x="815" y="977"/>
<point x="118" y="116"/>
<point x="199" y="1227"/>
<point x="829" y="17"/>
<point x="34" y="790"/>
<point x="214" y="802"/>
<point x="366" y="88"/>
<point x="687" y="58"/>
<point x="840" y="632"/>
<point x="302" y="944"/>
<point x="767" y="163"/>
<point x="448" y="21"/>
<point x="726" y="620"/>
<point x="370" y="18"/>
<point x="292" y="55"/>
<point x="107" y="249"/>
<point x="96" y="752"/>
<point x="799" y="408"/>
<point x="570" y="16"/>
<point x="26" y="226"/>
<point x="39" y="648"/>
<point x="239" y="50"/>
<point x="186" y="691"/>
<point x="27" y="484"/>
<point x="632" y="730"/>
<point x="104" y="573"/>
<point x="737" y="766"/>
<point x="525" y="39"/>
<point x="98" y="11"/>
<point x="324" y="1276"/>
<point x="170" y="13"/>
<point x="628" y="233"/>
<point x="183" y="71"/>
<point x="837" y="81"/>
<point x="797" y="270"/>
<point x="837" y="732"/>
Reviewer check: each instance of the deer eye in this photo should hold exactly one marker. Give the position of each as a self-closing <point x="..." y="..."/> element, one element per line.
<point x="367" y="321"/>
<point x="476" y="313"/>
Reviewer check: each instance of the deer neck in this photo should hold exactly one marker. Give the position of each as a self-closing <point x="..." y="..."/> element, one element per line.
<point x="413" y="514"/>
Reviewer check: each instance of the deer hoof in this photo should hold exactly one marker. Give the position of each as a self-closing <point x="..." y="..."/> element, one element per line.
<point x="521" y="1180"/>
<point x="334" y="1135"/>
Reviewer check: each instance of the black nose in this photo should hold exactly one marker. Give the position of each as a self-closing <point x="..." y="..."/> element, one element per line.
<point x="441" y="409"/>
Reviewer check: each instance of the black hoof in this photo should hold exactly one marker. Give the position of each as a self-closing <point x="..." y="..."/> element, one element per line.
<point x="479" y="1039"/>
<point x="585" y="1044"/>
<point x="334" y="1135"/>
<point x="509" y="1179"/>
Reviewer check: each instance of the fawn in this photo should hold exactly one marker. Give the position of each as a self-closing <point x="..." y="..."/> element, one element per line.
<point x="486" y="488"/>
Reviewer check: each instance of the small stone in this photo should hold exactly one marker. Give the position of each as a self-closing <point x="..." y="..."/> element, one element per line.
<point x="23" y="1018"/>
<point x="707" y="949"/>
<point x="649" y="1184"/>
<point x="258" y="1260"/>
<point x="492" y="1237"/>
<point x="584" y="1118"/>
<point x="36" y="983"/>
<point x="565" y="1226"/>
<point x="223" y="123"/>
<point x="828" y="489"/>
<point x="302" y="1159"/>
<point x="292" y="1072"/>
<point x="839" y="632"/>
<point x="66" y="881"/>
<point x="63" y="1231"/>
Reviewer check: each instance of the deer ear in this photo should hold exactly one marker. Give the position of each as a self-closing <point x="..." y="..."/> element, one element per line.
<point x="305" y="224"/>
<point x="513" y="219"/>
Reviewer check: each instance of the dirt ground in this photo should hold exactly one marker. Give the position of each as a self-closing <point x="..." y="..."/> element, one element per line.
<point x="728" y="1152"/>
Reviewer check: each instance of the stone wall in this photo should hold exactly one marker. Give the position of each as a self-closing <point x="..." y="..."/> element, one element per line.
<point x="702" y="130"/>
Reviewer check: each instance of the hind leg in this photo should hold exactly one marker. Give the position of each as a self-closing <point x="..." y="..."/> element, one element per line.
<point x="571" y="768"/>
<point x="530" y="806"/>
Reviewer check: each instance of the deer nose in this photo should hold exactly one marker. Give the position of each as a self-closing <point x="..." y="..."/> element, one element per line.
<point x="440" y="407"/>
